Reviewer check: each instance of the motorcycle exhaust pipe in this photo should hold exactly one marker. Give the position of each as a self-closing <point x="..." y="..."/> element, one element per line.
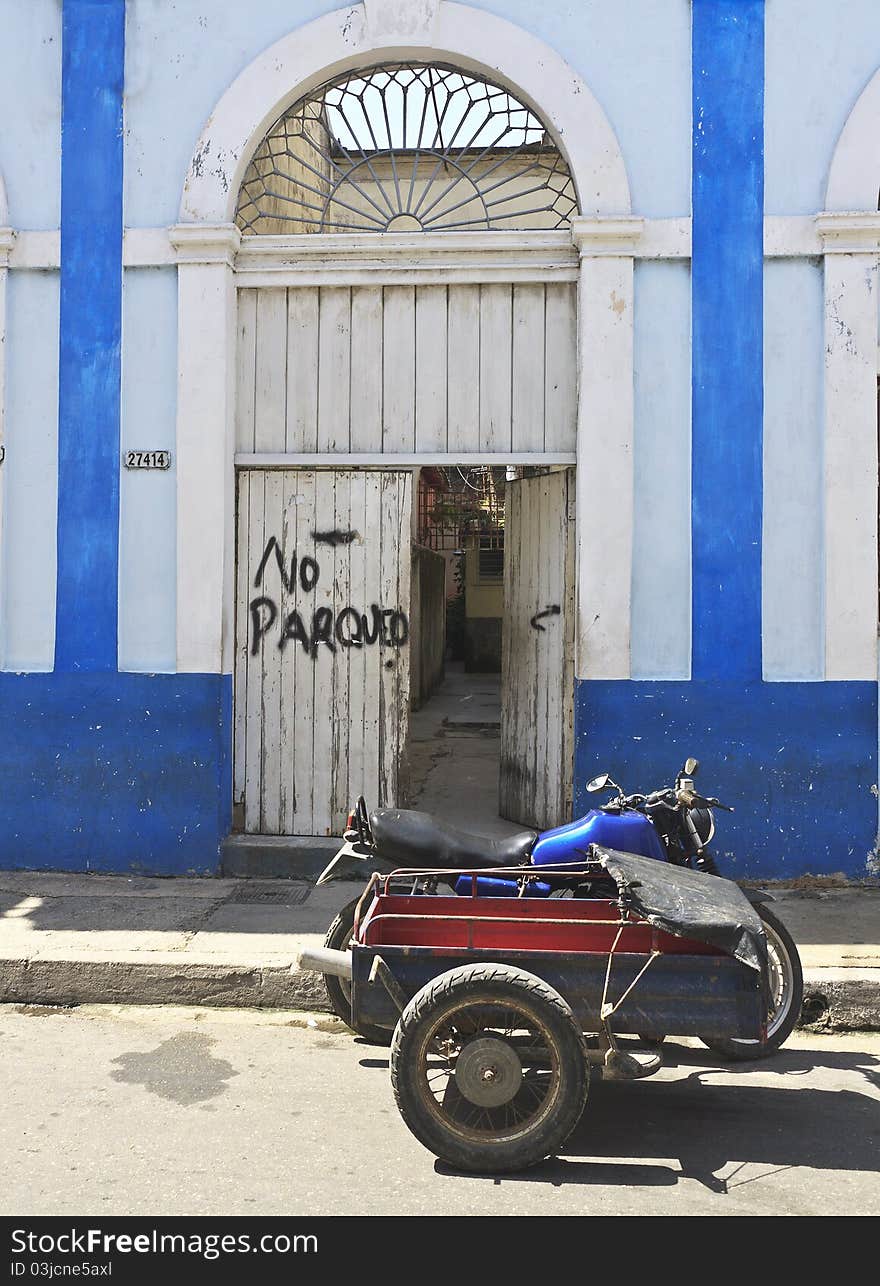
<point x="323" y="960"/>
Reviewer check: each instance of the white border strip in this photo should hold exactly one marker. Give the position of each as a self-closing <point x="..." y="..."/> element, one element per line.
<point x="390" y="460"/>
<point x="422" y="257"/>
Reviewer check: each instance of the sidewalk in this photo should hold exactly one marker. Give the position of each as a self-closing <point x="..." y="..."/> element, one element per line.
<point x="77" y="939"/>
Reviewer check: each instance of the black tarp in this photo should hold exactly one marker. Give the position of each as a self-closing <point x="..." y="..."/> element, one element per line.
<point x="690" y="904"/>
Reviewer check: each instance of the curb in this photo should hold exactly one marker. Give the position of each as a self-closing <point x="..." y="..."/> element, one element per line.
<point x="126" y="982"/>
<point x="834" y="999"/>
<point x="841" y="1000"/>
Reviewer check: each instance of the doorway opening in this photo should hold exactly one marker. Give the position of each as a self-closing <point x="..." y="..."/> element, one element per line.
<point x="405" y="635"/>
<point x="490" y="723"/>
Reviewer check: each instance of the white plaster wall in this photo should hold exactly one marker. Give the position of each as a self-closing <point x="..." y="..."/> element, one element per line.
<point x="181" y="58"/>
<point x="636" y="59"/>
<point x="148" y="498"/>
<point x="30" y="472"/>
<point x="819" y="57"/>
<point x="793" y="629"/>
<point x="661" y="578"/>
<point x="30" y="109"/>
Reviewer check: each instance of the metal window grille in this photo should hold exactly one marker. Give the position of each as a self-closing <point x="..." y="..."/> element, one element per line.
<point x="490" y="557"/>
<point x="456" y="504"/>
<point x="406" y="147"/>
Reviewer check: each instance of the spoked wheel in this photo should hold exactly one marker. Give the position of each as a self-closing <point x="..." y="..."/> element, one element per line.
<point x="489" y="1068"/>
<point x="786" y="994"/>
<point x="339" y="989"/>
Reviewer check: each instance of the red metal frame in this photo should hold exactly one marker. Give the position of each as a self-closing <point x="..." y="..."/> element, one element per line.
<point x="513" y="924"/>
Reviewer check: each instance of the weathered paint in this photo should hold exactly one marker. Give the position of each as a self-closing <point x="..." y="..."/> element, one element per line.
<point x="368" y="368"/>
<point x="537" y="677"/>
<point x="605" y="445"/>
<point x="181" y="61"/>
<point x="115" y="772"/>
<point x="178" y="62"/>
<point x="726" y="275"/>
<point x="796" y="760"/>
<point x="322" y="646"/>
<point x="850" y="465"/>
<point x="344" y="38"/>
<point x="205" y="440"/>
<point x="91" y="332"/>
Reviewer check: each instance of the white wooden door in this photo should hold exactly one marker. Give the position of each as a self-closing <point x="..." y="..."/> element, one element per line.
<point x="427" y="368"/>
<point x="537" y="713"/>
<point x="322" y="657"/>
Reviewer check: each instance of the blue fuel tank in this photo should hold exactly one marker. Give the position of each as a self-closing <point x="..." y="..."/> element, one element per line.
<point x="628" y="831"/>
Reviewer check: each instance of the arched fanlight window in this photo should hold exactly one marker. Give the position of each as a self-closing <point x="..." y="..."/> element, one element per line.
<point x="406" y="147"/>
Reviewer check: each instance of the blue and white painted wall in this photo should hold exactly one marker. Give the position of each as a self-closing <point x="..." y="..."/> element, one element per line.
<point x="773" y="587"/>
<point x="727" y="440"/>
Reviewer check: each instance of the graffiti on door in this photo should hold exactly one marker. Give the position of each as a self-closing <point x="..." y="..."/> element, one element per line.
<point x="346" y="626"/>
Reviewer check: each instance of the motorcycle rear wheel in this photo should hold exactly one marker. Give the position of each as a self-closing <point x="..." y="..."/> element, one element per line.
<point x="339" y="989"/>
<point x="787" y="992"/>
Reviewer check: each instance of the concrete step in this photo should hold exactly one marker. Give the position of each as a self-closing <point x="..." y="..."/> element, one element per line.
<point x="277" y="857"/>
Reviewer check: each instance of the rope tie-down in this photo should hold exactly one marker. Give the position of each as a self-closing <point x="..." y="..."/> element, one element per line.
<point x="619" y="1065"/>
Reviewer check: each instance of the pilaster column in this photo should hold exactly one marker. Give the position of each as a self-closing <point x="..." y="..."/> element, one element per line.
<point x="604" y="493"/>
<point x="205" y="445"/>
<point x="852" y="246"/>
<point x="7" y="237"/>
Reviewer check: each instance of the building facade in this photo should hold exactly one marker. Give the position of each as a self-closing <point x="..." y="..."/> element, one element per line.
<point x="236" y="316"/>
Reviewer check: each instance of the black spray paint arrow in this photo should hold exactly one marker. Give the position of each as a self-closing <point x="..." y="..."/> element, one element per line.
<point x="334" y="537"/>
<point x="553" y="610"/>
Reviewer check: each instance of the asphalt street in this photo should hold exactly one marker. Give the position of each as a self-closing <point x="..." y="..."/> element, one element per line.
<point x="119" y="1110"/>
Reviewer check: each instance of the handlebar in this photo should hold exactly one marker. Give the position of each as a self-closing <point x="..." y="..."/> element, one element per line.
<point x="686" y="799"/>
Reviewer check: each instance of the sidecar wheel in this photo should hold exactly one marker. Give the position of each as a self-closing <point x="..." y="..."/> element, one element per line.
<point x="787" y="995"/>
<point x="339" y="989"/>
<point x="489" y="1068"/>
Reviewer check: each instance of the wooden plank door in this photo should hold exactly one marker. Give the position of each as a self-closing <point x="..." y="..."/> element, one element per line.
<point x="322" y="655"/>
<point x="537" y="713"/>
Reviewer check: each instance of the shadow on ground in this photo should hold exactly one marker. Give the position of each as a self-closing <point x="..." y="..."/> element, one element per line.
<point x="699" y="1122"/>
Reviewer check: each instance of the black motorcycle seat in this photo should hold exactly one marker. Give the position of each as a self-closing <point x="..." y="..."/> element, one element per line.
<point x="418" y="839"/>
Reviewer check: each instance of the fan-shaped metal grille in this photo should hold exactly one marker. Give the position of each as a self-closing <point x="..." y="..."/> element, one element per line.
<point x="406" y="148"/>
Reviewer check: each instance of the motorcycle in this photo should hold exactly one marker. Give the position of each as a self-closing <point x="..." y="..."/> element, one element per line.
<point x="674" y="824"/>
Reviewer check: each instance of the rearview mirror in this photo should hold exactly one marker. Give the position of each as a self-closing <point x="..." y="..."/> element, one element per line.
<point x="691" y="766"/>
<point x="598" y="783"/>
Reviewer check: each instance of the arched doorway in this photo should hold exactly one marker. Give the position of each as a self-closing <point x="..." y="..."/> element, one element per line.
<point x="338" y="386"/>
<point x="329" y="616"/>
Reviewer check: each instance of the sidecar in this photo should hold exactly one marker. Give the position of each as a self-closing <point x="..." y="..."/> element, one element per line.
<point x="500" y="1006"/>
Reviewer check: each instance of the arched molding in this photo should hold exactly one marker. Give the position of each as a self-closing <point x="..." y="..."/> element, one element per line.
<point x="854" y="175"/>
<point x="349" y="38"/>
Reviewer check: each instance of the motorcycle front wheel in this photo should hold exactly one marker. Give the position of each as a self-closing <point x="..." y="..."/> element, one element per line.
<point x="339" y="989"/>
<point x="786" y="994"/>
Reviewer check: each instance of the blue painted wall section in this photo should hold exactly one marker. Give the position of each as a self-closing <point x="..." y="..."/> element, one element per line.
<point x="727" y="287"/>
<point x="796" y="760"/>
<point x="93" y="60"/>
<point x="102" y="770"/>
<point x="124" y="772"/>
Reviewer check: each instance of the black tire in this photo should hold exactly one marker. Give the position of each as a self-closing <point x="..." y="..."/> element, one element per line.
<point x="339" y="989"/>
<point x="785" y="1013"/>
<point x="470" y="1021"/>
